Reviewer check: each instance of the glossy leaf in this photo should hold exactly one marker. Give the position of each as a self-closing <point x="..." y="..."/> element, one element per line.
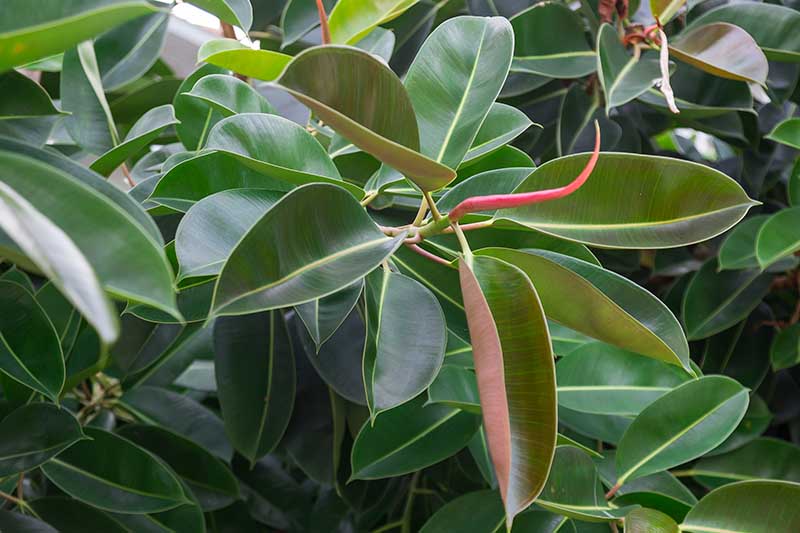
<point x="724" y="50"/>
<point x="236" y="12"/>
<point x="144" y="132"/>
<point x="28" y="34"/>
<point x="764" y="458"/>
<point x="230" y="54"/>
<point x="196" y="116"/>
<point x="680" y="426"/>
<point x="665" y="10"/>
<point x="398" y="366"/>
<point x="787" y="132"/>
<point x="476" y="511"/>
<point x="457" y="387"/>
<point x="127" y="52"/>
<point x="20" y="523"/>
<point x="549" y="41"/>
<point x="298" y="18"/>
<point x="633" y="201"/>
<point x="649" y="521"/>
<point x="323" y="316"/>
<point x="134" y="268"/>
<point x="785" y="351"/>
<point x="502" y="125"/>
<point x="624" y="77"/>
<point x="340" y="245"/>
<point x="778" y="236"/>
<point x="30" y="98"/>
<point x="113" y="474"/>
<point x="714" y="301"/>
<point x="229" y="95"/>
<point x="450" y="115"/>
<point x="516" y="378"/>
<point x="410" y="437"/>
<point x="72" y="516"/>
<point x="747" y="507"/>
<point x="738" y="251"/>
<point x="255" y="380"/>
<point x="599" y="298"/>
<point x="351" y="20"/>
<point x="35" y="433"/>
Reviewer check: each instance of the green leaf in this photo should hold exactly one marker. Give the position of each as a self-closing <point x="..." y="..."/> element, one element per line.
<point x="30" y="351"/>
<point x="764" y="458"/>
<point x="747" y="507"/>
<point x="276" y="147"/>
<point x="379" y="42"/>
<point x="624" y="77"/>
<point x="714" y="301"/>
<point x="211" y="482"/>
<point x="778" y="237"/>
<point x="143" y="133"/>
<point x="724" y="50"/>
<point x="457" y="387"/>
<point x="398" y="366"/>
<point x="340" y="245"/>
<point x="602" y="304"/>
<point x="28" y="33"/>
<point x="229" y="95"/>
<point x="598" y="378"/>
<point x="793" y="187"/>
<point x="236" y="12"/>
<point x="212" y="227"/>
<point x="72" y="516"/>
<point x="410" y="437"/>
<point x="34" y="434"/>
<point x="502" y="125"/>
<point x="351" y="20"/>
<point x="738" y="250"/>
<point x="90" y="123"/>
<point x="452" y="98"/>
<point x="756" y="420"/>
<point x="323" y="316"/>
<point x="196" y="116"/>
<point x="19" y="523"/>
<point x="683" y="424"/>
<point x="549" y="41"/>
<point x="127" y="259"/>
<point x="30" y="99"/>
<point x="181" y="414"/>
<point x="516" y="376"/>
<point x="787" y="132"/>
<point x="644" y="520"/>
<point x="127" y="52"/>
<point x="785" y="351"/>
<point x="255" y="380"/>
<point x="664" y="10"/>
<point x="232" y="55"/>
<point x="772" y="26"/>
<point x="476" y="511"/>
<point x="633" y="201"/>
<point x="300" y="17"/>
<point x="113" y="474"/>
<point x="739" y="352"/>
<point x="54" y="254"/>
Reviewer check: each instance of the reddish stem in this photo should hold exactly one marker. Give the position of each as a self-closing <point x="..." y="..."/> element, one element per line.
<point x="427" y="255"/>
<point x="323" y="22"/>
<point x="505" y="201"/>
<point x="610" y="494"/>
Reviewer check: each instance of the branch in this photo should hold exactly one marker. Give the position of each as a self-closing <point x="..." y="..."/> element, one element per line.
<point x="323" y="22"/>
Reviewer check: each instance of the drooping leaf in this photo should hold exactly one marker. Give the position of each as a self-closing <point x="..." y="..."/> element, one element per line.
<point x="600" y="298"/>
<point x="236" y="12"/>
<point x="28" y="33"/>
<point x="764" y="458"/>
<point x="34" y="433"/>
<point x="747" y="507"/>
<point x="398" y="366"/>
<point x="623" y="76"/>
<point x="516" y="378"/>
<point x="681" y="425"/>
<point x="351" y="20"/>
<point x="645" y="520"/>
<point x="787" y="132"/>
<point x="778" y="237"/>
<point x="410" y="437"/>
<point x="724" y="50"/>
<point x="323" y="316"/>
<point x="30" y="99"/>
<point x="340" y="245"/>
<point x="255" y="380"/>
<point x="229" y="95"/>
<point x="145" y="131"/>
<point x="476" y="511"/>
<point x="549" y="41"/>
<point x="450" y="114"/>
<point x="125" y="53"/>
<point x="633" y="201"/>
<point x="113" y="474"/>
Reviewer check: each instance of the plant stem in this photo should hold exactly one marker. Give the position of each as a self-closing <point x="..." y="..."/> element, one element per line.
<point x="427" y="255"/>
<point x="204" y="131"/>
<point x="128" y="177"/>
<point x="610" y="494"/>
<point x="406" y="527"/>
<point x="12" y="499"/>
<point x="323" y="22"/>
<point x="21" y="486"/>
<point x="432" y="205"/>
<point x="368" y="198"/>
<point x="462" y="240"/>
<point x="423" y="209"/>
<point x="388" y="527"/>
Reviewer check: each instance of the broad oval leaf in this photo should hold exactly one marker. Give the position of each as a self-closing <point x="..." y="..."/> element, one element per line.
<point x="724" y="50"/>
<point x="134" y="268"/>
<point x="645" y="520"/>
<point x="785" y="350"/>
<point x="111" y="473"/>
<point x="28" y="33"/>
<point x="72" y="516"/>
<point x="503" y="124"/>
<point x="633" y="201"/>
<point x="598" y="378"/>
<point x="476" y="511"/>
<point x="764" y="458"/>
<point x="623" y="76"/>
<point x="456" y="386"/>
<point x="236" y="12"/>
<point x="30" y="99"/>
<point x="747" y="507"/>
<point x="255" y="371"/>
<point x="298" y="18"/>
<point x="30" y="350"/>
<point x="778" y="237"/>
<point x="680" y="426"/>
<point x="410" y="437"/>
<point x="34" y="433"/>
<point x="229" y="95"/>
<point x="452" y="98"/>
<point x="323" y="316"/>
<point x="602" y="304"/>
<point x="196" y="116"/>
<point x="209" y="232"/>
<point x="788" y="133"/>
<point x="516" y="376"/>
<point x="549" y="41"/>
<point x="231" y="54"/>
<point x="398" y="366"/>
<point x="340" y="244"/>
<point x="54" y="254"/>
<point x="738" y="250"/>
<point x="351" y="20"/>
<point x="19" y="523"/>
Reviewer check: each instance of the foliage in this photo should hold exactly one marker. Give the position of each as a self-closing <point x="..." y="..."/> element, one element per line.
<point x="494" y="276"/>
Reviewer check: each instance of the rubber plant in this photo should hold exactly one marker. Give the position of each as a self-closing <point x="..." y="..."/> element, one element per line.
<point x="379" y="265"/>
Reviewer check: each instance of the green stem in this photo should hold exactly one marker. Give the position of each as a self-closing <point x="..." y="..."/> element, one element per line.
<point x="388" y="527"/>
<point x="368" y="198"/>
<point x="462" y="240"/>
<point x="205" y="129"/>
<point x="406" y="528"/>
<point x="432" y="205"/>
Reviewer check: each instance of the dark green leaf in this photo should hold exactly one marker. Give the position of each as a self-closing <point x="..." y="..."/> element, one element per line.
<point x="125" y="53"/>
